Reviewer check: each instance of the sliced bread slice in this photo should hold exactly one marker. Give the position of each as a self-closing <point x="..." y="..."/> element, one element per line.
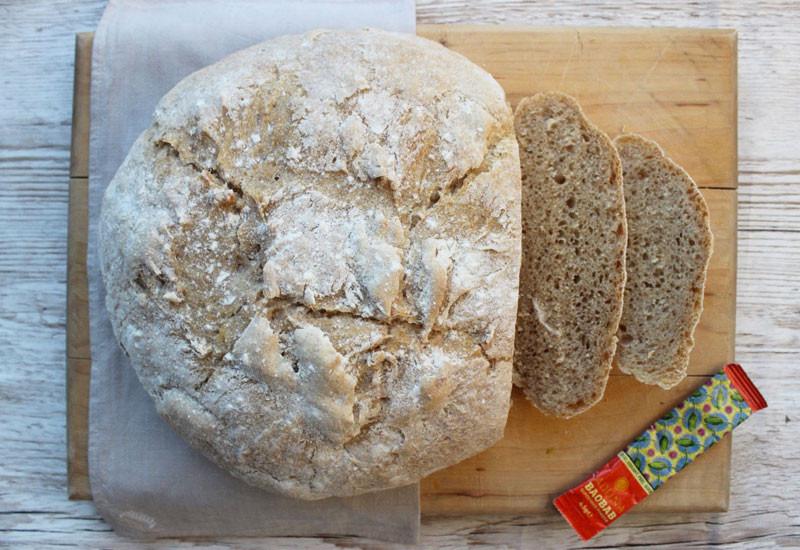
<point x="669" y="246"/>
<point x="573" y="255"/>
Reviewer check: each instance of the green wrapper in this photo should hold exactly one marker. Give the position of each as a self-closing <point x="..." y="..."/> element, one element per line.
<point x="685" y="432"/>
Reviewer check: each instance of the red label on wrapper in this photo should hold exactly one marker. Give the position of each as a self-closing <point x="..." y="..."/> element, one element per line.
<point x="597" y="502"/>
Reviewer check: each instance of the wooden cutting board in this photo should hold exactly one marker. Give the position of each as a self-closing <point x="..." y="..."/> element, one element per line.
<point x="677" y="86"/>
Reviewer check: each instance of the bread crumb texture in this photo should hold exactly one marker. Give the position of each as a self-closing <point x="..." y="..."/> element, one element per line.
<point x="669" y="247"/>
<point x="573" y="256"/>
<point x="312" y="257"/>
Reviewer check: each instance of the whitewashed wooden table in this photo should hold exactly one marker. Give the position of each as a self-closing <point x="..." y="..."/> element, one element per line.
<point x="36" y="57"/>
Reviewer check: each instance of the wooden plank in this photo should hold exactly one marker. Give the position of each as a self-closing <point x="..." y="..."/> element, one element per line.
<point x="77" y="283"/>
<point x="676" y="86"/>
<point x="525" y="470"/>
<point x="78" y="352"/>
<point x="78" y="349"/>
<point x="78" y="486"/>
<point x="79" y="155"/>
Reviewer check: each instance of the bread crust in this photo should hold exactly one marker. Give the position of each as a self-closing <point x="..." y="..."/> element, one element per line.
<point x="312" y="256"/>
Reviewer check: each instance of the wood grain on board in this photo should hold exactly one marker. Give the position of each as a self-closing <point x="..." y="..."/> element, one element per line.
<point x="78" y="351"/>
<point x="675" y="86"/>
<point x="79" y="154"/>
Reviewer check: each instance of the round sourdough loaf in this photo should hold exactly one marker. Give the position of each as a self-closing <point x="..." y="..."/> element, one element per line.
<point x="311" y="258"/>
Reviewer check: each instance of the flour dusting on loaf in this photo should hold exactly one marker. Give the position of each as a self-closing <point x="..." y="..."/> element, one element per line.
<point x="312" y="256"/>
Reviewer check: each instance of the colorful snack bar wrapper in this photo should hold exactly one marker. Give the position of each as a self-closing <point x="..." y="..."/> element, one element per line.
<point x="665" y="448"/>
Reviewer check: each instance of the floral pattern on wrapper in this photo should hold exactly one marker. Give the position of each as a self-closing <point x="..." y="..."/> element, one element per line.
<point x="673" y="441"/>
